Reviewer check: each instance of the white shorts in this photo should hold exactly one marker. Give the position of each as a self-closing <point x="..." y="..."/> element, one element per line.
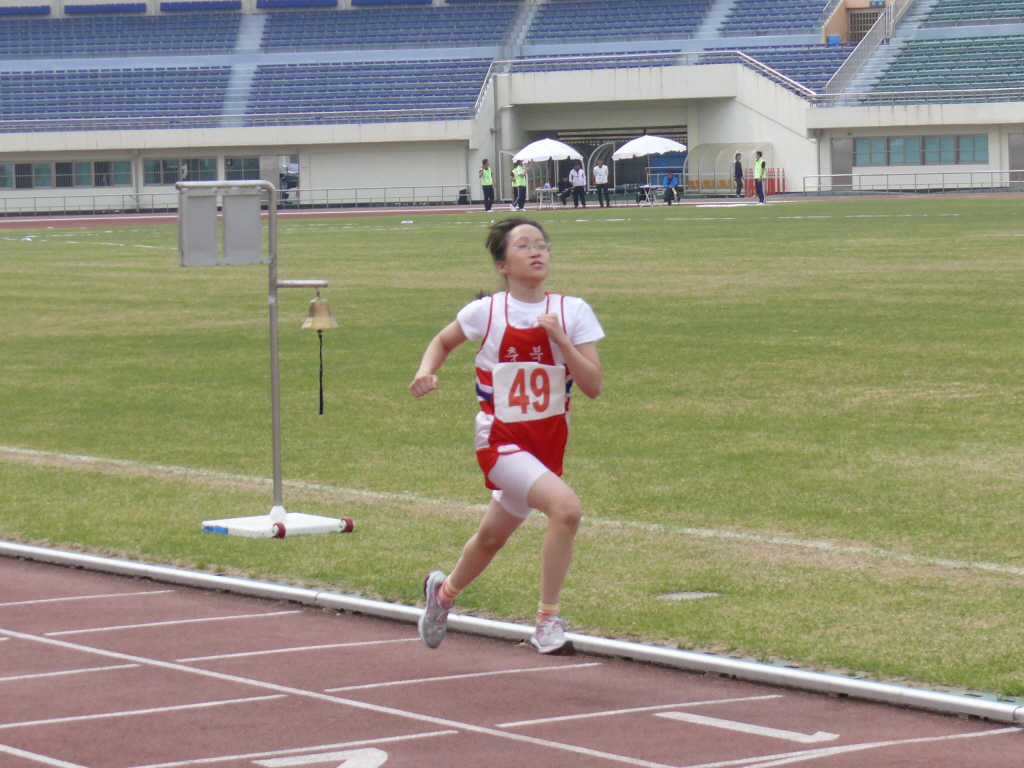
<point x="515" y="473"/>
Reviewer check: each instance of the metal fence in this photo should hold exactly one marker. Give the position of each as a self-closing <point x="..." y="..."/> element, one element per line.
<point x="914" y="182"/>
<point x="161" y="202"/>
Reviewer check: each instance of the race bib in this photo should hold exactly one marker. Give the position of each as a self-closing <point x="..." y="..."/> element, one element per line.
<point x="528" y="391"/>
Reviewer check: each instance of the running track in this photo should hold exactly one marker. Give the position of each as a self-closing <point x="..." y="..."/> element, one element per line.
<point x="104" y="671"/>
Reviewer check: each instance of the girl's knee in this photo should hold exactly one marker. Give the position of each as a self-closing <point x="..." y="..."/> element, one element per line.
<point x="567" y="511"/>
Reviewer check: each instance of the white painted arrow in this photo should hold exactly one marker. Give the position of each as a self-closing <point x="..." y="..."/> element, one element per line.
<point x="352" y="758"/>
<point x="755" y="730"/>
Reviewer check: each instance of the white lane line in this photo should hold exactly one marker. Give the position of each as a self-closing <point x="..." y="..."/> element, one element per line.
<point x="297" y="750"/>
<point x="43" y="759"/>
<point x="63" y="672"/>
<point x="354" y="703"/>
<point x="754" y="730"/>
<point x="633" y="710"/>
<point x="358" y="758"/>
<point x="465" y="676"/>
<point x="697" y="533"/>
<point x="176" y="622"/>
<point x="293" y="650"/>
<point x="787" y="758"/>
<point x="84" y="597"/>
<point x="133" y="712"/>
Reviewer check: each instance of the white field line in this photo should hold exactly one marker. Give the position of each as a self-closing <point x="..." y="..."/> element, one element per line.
<point x="42" y="759"/>
<point x="176" y="622"/>
<point x="84" y="597"/>
<point x="770" y="761"/>
<point x="298" y="750"/>
<point x="63" y="672"/>
<point x="755" y="730"/>
<point x="293" y="650"/>
<point x="148" y="711"/>
<point x="634" y="710"/>
<point x="698" y="533"/>
<point x="462" y="677"/>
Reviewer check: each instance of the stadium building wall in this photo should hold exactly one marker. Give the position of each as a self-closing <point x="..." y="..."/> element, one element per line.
<point x="997" y="121"/>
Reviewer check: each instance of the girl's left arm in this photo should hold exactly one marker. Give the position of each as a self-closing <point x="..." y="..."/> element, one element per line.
<point x="585" y="367"/>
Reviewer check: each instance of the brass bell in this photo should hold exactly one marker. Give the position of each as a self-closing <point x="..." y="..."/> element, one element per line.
<point x="319" y="318"/>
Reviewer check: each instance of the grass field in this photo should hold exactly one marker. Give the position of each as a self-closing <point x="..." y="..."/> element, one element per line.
<point x="813" y="409"/>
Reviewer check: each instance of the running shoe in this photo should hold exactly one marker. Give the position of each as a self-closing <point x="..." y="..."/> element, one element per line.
<point x="550" y="638"/>
<point x="433" y="622"/>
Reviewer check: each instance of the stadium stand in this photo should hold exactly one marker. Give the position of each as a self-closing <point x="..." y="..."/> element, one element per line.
<point x="164" y="98"/>
<point x="560" y="20"/>
<point x="951" y="64"/>
<point x="962" y="12"/>
<point x="392" y="26"/>
<point x="810" y="65"/>
<point x="117" y="36"/>
<point x="772" y="17"/>
<point x="440" y="86"/>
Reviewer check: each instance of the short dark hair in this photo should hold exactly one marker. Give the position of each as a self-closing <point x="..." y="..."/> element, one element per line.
<point x="497" y="235"/>
<point x="484" y="161"/>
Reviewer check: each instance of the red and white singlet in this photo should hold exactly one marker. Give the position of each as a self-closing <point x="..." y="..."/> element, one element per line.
<point x="523" y="385"/>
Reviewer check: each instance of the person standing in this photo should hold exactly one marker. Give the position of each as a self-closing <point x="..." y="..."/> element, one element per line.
<point x="518" y="186"/>
<point x="487" y="183"/>
<point x="534" y="346"/>
<point x="737" y="172"/>
<point x="601" y="182"/>
<point x="760" y="171"/>
<point x="578" y="179"/>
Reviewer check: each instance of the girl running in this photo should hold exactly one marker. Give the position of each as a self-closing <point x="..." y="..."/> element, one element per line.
<point x="535" y="345"/>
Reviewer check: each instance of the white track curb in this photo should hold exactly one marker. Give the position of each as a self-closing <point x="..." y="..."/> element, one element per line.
<point x="986" y="707"/>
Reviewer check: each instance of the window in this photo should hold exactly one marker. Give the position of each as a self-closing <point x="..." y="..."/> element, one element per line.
<point x="199" y="169"/>
<point x="122" y="173"/>
<point x="972" y="149"/>
<point x="241" y="168"/>
<point x="103" y="175"/>
<point x="42" y="175"/>
<point x="65" y="174"/>
<point x="160" y="172"/>
<point x="6" y="175"/>
<point x="83" y="174"/>
<point x="23" y="175"/>
<point x="905" y="150"/>
<point x="940" y="150"/>
<point x="169" y="172"/>
<point x="869" y="152"/>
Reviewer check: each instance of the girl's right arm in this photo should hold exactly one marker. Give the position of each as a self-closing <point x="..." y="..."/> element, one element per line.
<point x="437" y="352"/>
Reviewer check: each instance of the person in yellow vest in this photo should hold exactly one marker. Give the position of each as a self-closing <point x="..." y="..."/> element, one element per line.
<point x="759" y="176"/>
<point x="518" y="185"/>
<point x="487" y="182"/>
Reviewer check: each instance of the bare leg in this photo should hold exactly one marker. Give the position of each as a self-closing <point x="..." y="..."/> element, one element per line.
<point x="495" y="528"/>
<point x="560" y="503"/>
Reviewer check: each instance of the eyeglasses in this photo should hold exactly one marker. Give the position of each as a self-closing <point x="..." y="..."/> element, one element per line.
<point x="523" y="247"/>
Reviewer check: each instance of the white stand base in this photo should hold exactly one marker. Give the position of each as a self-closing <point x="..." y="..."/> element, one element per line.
<point x="278" y="524"/>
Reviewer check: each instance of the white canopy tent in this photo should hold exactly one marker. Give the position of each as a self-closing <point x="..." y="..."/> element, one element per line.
<point x="645" y="145"/>
<point x="546" y="149"/>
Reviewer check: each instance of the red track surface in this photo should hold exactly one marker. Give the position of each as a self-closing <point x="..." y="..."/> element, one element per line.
<point x="102" y="671"/>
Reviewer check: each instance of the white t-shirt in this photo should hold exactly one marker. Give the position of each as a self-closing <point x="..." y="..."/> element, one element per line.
<point x="600" y="174"/>
<point x="578" y="177"/>
<point x="580" y="321"/>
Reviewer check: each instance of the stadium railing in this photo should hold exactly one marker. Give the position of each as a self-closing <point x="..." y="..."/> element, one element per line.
<point x="906" y="182"/>
<point x="161" y="202"/>
<point x="880" y="32"/>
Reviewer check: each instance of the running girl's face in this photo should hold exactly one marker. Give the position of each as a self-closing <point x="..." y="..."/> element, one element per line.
<point x="527" y="255"/>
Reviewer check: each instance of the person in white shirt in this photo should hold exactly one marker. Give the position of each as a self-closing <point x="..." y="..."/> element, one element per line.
<point x="601" y="182"/>
<point x="535" y="346"/>
<point x="578" y="179"/>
